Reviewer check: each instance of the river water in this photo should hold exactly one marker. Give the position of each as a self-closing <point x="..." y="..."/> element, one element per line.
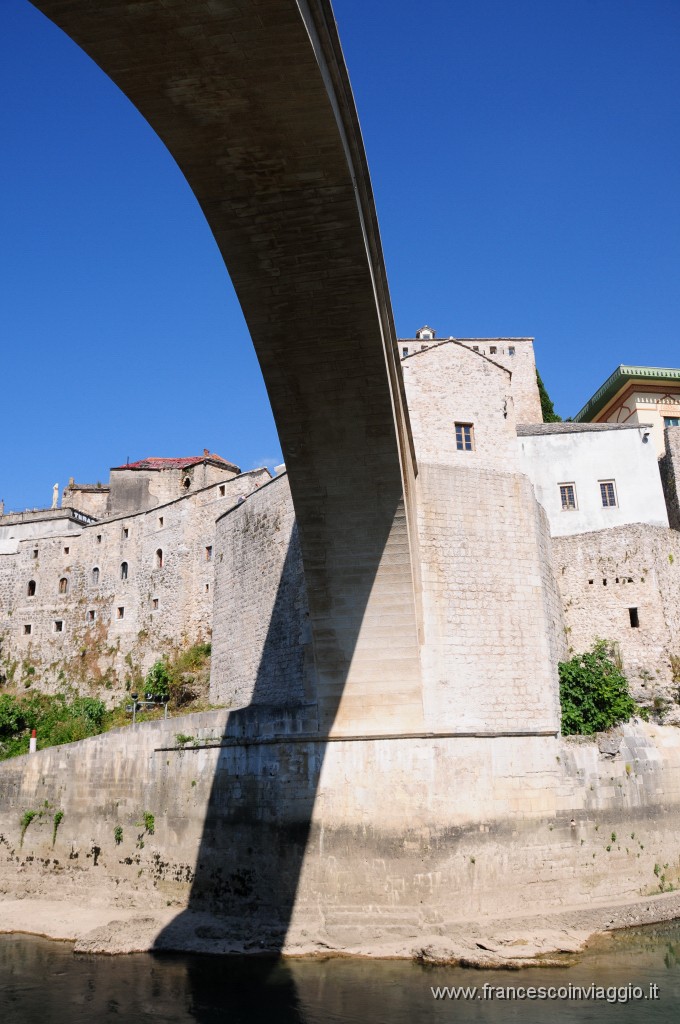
<point x="43" y="982"/>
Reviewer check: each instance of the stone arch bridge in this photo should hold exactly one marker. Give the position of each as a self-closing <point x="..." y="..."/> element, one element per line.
<point x="252" y="99"/>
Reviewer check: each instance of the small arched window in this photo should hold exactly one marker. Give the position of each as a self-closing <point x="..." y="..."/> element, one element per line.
<point x="63" y="585"/>
<point x="159" y="558"/>
<point x="31" y="588"/>
<point x="186" y="483"/>
<point x="123" y="570"/>
<point x="95" y="574"/>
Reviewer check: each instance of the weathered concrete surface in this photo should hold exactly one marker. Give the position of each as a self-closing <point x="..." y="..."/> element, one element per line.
<point x="411" y="843"/>
<point x="252" y="99"/>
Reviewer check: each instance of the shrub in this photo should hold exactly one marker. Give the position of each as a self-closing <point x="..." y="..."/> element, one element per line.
<point x="593" y="692"/>
<point x="158" y="680"/>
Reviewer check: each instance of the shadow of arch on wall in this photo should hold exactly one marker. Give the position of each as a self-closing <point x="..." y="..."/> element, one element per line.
<point x="252" y="99"/>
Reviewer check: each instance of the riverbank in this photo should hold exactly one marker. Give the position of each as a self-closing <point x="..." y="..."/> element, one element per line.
<point x="545" y="940"/>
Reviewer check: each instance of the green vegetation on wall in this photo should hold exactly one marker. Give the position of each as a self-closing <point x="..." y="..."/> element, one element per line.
<point x="67" y="717"/>
<point x="594" y="692"/>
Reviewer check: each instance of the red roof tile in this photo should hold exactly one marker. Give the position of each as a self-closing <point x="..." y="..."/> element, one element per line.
<point x="193" y="460"/>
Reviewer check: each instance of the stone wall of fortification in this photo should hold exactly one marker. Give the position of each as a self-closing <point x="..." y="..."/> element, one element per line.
<point x="491" y="611"/>
<point x="612" y="579"/>
<point x="516" y="355"/>
<point x="262" y="645"/>
<point x="108" y="601"/>
<point x="493" y="630"/>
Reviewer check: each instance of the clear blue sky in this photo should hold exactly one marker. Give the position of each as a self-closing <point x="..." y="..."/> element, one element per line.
<point x="525" y="158"/>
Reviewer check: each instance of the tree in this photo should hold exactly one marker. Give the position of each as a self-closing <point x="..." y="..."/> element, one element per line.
<point x="547" y="408"/>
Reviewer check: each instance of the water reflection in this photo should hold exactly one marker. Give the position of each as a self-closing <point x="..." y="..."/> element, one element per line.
<point x="45" y="982"/>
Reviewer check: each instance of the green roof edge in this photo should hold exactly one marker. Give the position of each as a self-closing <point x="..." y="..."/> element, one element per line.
<point x="613" y="383"/>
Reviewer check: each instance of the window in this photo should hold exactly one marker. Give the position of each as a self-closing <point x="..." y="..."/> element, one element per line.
<point x="186" y="483"/>
<point x="208" y="553"/>
<point x="160" y="520"/>
<point x="493" y="350"/>
<point x="27" y="629"/>
<point x="568" y="497"/>
<point x="159" y="558"/>
<point x="511" y="350"/>
<point x="120" y="613"/>
<point x="126" y="533"/>
<point x="95" y="574"/>
<point x="99" y="538"/>
<point x="123" y="570"/>
<point x="63" y="585"/>
<point x="35" y="552"/>
<point x="223" y="491"/>
<point x="30" y="590"/>
<point x="464" y="437"/>
<point x="671" y="421"/>
<point x="475" y="348"/>
<point x="66" y="550"/>
<point x="607" y="493"/>
<point x="58" y="626"/>
<point x="404" y="353"/>
<point x="154" y="604"/>
<point x="634" y="618"/>
<point x="91" y="615"/>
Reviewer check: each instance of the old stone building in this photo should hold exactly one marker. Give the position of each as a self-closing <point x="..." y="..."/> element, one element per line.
<point x="533" y="541"/>
<point x="93" y="598"/>
<point x="635" y="395"/>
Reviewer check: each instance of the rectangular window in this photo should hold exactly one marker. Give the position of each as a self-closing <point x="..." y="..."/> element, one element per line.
<point x="58" y="626"/>
<point x="91" y="615"/>
<point x="154" y="604"/>
<point x="126" y="533"/>
<point x="475" y="348"/>
<point x="208" y="553"/>
<point x="634" y="618"/>
<point x="35" y="552"/>
<point x="511" y="350"/>
<point x="66" y="550"/>
<point x="671" y="421"/>
<point x="223" y="491"/>
<point x="608" y="493"/>
<point x="160" y="520"/>
<point x="493" y="350"/>
<point x="568" y="497"/>
<point x="27" y="629"/>
<point x="120" y="613"/>
<point x="99" y="538"/>
<point x="207" y="588"/>
<point x="464" y="438"/>
<point x="404" y="353"/>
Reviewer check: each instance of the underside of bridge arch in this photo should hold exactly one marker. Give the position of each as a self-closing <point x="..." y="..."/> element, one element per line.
<point x="252" y="99"/>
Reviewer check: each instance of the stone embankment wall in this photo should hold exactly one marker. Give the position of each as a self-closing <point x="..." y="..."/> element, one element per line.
<point x="123" y="591"/>
<point x="289" y="840"/>
<point x="622" y="585"/>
